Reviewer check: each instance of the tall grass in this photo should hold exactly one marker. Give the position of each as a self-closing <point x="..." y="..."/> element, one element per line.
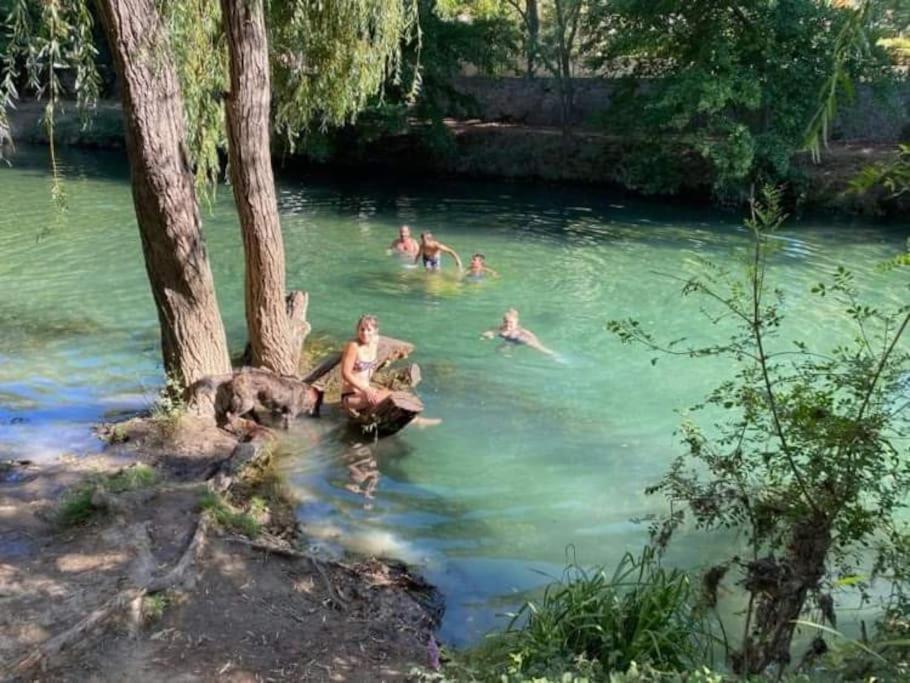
<point x="641" y="612"/>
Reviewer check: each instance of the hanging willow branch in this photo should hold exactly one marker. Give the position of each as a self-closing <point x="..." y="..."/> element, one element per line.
<point x="329" y="58"/>
<point x="197" y="43"/>
<point x="852" y="41"/>
<point x="46" y="39"/>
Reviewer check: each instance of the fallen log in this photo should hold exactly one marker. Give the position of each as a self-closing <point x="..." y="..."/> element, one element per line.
<point x="388" y="417"/>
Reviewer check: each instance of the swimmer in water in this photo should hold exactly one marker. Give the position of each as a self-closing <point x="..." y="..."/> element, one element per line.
<point x="479" y="268"/>
<point x="511" y="331"/>
<point x="431" y="251"/>
<point x="405" y="245"/>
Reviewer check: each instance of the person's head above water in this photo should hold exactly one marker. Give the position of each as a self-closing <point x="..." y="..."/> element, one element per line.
<point x="404" y="232"/>
<point x="478" y="259"/>
<point x="510" y="318"/>
<point x="427" y="237"/>
<point x="367" y="326"/>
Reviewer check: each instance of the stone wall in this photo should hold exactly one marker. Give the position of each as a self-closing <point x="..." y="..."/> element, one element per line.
<point x="873" y="116"/>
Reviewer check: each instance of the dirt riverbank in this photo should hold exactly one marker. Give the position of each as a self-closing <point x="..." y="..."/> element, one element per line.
<point x="173" y="576"/>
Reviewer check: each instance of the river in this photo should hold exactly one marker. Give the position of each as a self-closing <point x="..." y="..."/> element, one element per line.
<point x="535" y="459"/>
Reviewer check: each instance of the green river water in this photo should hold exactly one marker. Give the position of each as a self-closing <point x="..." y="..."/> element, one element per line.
<point x="534" y="458"/>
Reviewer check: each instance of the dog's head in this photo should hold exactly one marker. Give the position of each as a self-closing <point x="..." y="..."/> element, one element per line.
<point x="312" y="400"/>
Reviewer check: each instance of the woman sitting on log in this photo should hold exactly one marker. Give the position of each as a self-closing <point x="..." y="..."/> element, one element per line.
<point x="359" y="361"/>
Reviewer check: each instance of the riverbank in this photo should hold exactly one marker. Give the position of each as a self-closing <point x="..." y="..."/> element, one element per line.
<point x="510" y="151"/>
<point x="174" y="555"/>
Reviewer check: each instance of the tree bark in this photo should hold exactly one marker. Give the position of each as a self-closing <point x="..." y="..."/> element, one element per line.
<point x="193" y="341"/>
<point x="532" y="19"/>
<point x="247" y="110"/>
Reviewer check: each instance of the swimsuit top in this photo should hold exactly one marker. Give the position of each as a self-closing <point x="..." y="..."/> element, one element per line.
<point x="363" y="365"/>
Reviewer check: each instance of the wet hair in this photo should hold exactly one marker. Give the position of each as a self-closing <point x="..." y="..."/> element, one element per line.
<point x="426" y="235"/>
<point x="367" y="319"/>
<point x="511" y="313"/>
<point x="480" y="256"/>
<point x="405" y="227"/>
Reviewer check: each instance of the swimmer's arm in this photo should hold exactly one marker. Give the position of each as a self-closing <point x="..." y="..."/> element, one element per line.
<point x="489" y="270"/>
<point x="489" y="334"/>
<point x="418" y="254"/>
<point x="452" y="253"/>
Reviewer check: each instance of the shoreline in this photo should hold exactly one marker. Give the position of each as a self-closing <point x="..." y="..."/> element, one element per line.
<point x="484" y="150"/>
<point x="195" y="571"/>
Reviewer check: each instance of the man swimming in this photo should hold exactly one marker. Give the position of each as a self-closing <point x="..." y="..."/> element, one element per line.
<point x="405" y="244"/>
<point x="431" y="251"/>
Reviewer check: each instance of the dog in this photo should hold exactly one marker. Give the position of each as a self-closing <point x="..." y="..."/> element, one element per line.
<point x="253" y="391"/>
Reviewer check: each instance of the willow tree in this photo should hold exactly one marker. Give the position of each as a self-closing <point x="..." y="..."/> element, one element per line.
<point x="328" y="60"/>
<point x="49" y="36"/>
<point x="321" y="62"/>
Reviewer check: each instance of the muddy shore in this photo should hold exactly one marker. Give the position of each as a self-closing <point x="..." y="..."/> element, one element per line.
<point x="193" y="571"/>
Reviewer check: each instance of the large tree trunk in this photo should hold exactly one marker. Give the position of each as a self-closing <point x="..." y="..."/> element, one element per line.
<point x="254" y="186"/>
<point x="193" y="341"/>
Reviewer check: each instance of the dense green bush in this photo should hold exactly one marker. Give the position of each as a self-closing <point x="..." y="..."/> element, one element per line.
<point x="736" y="82"/>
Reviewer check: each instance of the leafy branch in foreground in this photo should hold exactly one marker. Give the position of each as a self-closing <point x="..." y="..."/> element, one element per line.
<point x="807" y="451"/>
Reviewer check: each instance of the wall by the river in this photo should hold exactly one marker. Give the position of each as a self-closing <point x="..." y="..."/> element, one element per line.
<point x="874" y="116"/>
<point x="532" y="151"/>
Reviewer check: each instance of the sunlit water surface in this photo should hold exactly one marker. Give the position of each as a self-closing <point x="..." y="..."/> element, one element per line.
<point x="535" y="458"/>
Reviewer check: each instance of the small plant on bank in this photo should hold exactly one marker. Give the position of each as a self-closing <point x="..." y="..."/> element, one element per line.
<point x="75" y="507"/>
<point x="117" y="434"/>
<point x="153" y="607"/>
<point x="227" y="517"/>
<point x="806" y="454"/>
<point x="77" y="504"/>
<point x="170" y="405"/>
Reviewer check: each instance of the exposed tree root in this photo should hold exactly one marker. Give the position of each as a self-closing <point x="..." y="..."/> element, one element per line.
<point x="121" y="602"/>
<point x="277" y="547"/>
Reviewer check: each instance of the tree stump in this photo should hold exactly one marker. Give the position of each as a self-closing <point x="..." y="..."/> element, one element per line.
<point x="296" y="303"/>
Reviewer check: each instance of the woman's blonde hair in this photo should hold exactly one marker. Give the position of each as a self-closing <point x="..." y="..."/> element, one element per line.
<point x="367" y="319"/>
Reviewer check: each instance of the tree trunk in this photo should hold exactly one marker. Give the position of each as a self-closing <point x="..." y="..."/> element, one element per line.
<point x="533" y="21"/>
<point x="780" y="589"/>
<point x="247" y="108"/>
<point x="192" y="335"/>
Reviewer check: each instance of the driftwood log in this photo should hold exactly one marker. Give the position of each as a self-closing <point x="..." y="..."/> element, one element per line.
<point x="388" y="417"/>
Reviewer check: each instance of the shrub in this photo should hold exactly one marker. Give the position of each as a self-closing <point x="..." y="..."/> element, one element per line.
<point x="603" y="622"/>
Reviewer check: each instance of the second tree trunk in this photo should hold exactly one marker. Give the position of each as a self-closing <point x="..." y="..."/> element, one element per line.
<point x="254" y="186"/>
